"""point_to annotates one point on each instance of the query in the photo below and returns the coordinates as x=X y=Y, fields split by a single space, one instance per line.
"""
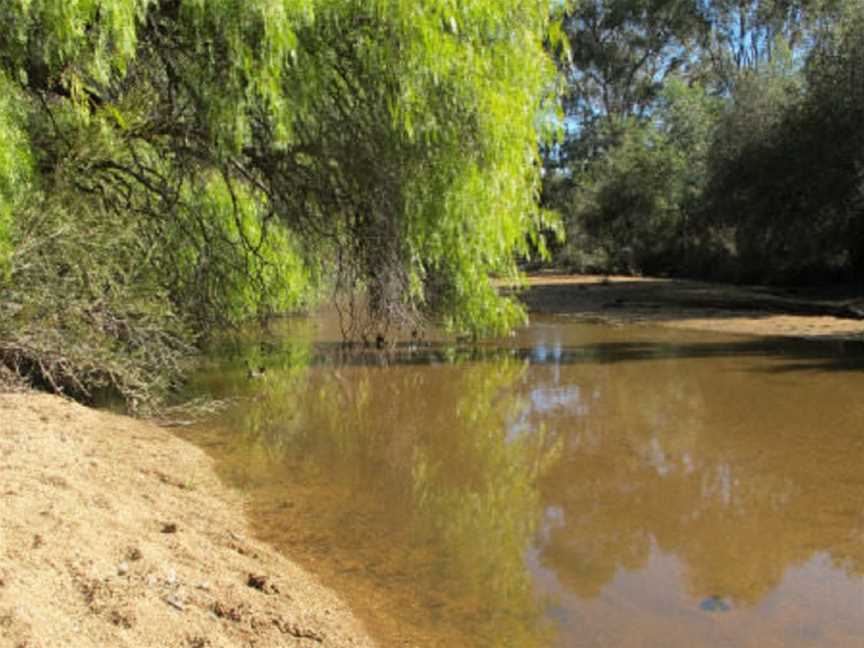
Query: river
x=573 y=485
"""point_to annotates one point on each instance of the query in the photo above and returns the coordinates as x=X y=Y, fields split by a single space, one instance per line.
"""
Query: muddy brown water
x=575 y=485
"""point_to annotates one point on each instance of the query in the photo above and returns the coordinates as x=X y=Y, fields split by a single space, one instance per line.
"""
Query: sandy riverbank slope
x=113 y=532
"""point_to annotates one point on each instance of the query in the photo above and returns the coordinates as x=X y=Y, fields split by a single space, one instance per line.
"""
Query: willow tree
x=213 y=158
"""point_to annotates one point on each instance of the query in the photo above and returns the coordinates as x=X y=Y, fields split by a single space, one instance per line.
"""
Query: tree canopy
x=167 y=166
x=712 y=139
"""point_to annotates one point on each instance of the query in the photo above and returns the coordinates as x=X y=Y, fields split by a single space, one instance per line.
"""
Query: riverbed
x=577 y=484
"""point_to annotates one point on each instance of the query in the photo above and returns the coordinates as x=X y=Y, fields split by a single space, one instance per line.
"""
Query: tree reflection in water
x=742 y=479
x=400 y=476
x=418 y=483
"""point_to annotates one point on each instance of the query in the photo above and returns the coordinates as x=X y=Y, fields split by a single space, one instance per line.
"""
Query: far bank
x=814 y=314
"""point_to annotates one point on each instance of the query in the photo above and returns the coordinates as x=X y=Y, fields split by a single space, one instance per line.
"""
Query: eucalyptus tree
x=615 y=177
x=791 y=186
x=701 y=140
x=745 y=36
x=621 y=53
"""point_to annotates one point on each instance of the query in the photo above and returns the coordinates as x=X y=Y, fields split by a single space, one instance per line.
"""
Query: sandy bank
x=698 y=306
x=113 y=532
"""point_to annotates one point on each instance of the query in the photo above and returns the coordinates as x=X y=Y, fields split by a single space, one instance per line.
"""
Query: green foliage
x=620 y=53
x=633 y=205
x=721 y=139
x=231 y=156
x=789 y=182
x=231 y=257
x=421 y=153
x=15 y=168
x=746 y=36
x=82 y=313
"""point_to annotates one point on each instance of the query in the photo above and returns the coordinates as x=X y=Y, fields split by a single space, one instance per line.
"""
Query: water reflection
x=577 y=485
x=398 y=471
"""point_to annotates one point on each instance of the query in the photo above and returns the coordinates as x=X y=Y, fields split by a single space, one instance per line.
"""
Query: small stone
x=169 y=527
x=175 y=602
x=171 y=578
x=203 y=585
x=257 y=582
x=123 y=568
x=714 y=604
